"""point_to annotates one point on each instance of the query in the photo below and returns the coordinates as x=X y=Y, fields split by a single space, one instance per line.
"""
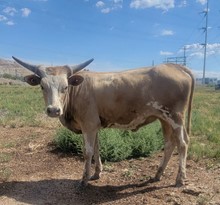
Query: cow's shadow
x=66 y=191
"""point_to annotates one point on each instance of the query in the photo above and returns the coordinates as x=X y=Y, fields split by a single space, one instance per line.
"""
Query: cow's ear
x=75 y=80
x=32 y=80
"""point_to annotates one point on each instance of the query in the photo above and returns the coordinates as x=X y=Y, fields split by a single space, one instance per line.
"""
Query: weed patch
x=5 y=173
x=5 y=157
x=115 y=145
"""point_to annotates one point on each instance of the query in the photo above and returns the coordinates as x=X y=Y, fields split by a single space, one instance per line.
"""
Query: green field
x=205 y=137
x=22 y=106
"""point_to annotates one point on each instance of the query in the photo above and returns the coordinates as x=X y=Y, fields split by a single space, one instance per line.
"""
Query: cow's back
x=123 y=97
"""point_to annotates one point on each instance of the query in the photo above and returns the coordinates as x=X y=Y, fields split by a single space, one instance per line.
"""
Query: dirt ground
x=32 y=172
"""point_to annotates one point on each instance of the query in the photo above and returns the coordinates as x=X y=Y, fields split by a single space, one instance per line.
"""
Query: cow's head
x=54 y=82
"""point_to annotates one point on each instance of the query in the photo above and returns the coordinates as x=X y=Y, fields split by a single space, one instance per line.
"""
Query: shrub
x=145 y=142
x=115 y=145
x=66 y=141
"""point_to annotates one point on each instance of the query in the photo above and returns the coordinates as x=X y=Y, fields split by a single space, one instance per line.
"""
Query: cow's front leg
x=98 y=163
x=89 y=142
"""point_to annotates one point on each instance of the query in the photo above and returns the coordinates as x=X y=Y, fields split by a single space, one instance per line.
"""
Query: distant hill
x=11 y=73
x=12 y=68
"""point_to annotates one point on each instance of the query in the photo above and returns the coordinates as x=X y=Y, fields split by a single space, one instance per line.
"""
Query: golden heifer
x=87 y=101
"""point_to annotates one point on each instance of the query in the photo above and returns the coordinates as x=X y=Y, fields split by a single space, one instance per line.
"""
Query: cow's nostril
x=48 y=110
x=58 y=111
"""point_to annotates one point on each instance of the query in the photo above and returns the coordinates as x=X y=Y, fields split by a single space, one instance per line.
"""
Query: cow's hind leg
x=98 y=163
x=182 y=145
x=168 y=148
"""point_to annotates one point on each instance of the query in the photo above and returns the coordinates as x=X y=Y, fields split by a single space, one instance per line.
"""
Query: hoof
x=158 y=175
x=152 y=180
x=180 y=183
x=156 y=179
x=95 y=177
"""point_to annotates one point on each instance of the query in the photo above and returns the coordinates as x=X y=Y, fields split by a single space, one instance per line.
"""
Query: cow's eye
x=42 y=88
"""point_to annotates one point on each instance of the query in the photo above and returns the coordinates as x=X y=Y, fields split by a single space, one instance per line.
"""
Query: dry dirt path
x=31 y=173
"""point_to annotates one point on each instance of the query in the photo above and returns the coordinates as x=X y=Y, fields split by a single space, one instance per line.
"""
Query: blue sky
x=118 y=34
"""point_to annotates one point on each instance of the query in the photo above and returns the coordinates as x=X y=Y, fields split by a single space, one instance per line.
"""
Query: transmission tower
x=206 y=12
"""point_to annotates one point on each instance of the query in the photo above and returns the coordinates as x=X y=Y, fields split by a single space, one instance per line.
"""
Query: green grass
x=24 y=106
x=205 y=137
x=20 y=106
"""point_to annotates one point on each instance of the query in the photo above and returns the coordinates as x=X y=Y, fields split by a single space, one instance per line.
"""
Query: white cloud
x=203 y=2
x=159 y=4
x=197 y=54
x=25 y=12
x=197 y=49
x=107 y=6
x=100 y=4
x=208 y=74
x=106 y=10
x=214 y=46
x=3 y=18
x=10 y=11
x=10 y=23
x=165 y=53
x=194 y=46
x=167 y=33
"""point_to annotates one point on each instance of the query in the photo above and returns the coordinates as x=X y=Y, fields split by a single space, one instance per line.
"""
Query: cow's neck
x=68 y=119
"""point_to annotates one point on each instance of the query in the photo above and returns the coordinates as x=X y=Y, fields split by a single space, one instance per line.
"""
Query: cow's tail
x=190 y=99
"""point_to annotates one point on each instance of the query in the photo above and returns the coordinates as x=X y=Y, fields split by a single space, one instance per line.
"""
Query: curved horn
x=80 y=66
x=33 y=68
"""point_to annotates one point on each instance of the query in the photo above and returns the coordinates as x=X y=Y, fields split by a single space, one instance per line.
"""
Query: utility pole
x=205 y=44
x=178 y=60
x=184 y=56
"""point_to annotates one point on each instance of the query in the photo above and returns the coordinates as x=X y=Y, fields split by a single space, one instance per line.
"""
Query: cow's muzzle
x=53 y=111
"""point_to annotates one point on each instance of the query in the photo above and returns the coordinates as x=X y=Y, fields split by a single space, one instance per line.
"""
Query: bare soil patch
x=31 y=172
